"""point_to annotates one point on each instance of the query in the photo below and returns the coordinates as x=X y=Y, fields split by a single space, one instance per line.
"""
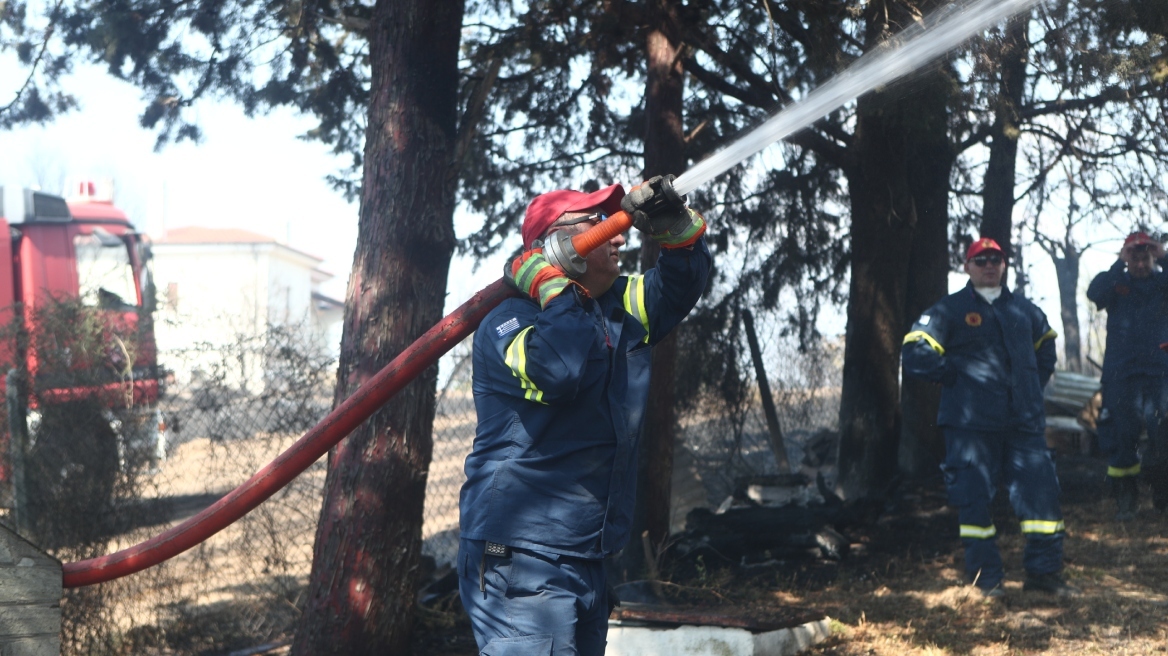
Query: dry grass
x=905 y=597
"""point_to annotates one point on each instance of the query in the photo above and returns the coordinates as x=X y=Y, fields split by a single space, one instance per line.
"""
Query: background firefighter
x=561 y=378
x=993 y=352
x=1135 y=371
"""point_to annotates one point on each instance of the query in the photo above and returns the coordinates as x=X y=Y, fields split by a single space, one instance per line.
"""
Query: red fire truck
x=76 y=298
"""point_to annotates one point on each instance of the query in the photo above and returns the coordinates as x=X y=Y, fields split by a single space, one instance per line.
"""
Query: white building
x=224 y=288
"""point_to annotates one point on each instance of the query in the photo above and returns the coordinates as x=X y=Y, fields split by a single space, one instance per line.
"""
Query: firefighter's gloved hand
x=683 y=233
x=531 y=274
x=659 y=212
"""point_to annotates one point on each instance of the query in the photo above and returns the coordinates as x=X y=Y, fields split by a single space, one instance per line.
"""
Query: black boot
x=1127 y=498
x=1051 y=583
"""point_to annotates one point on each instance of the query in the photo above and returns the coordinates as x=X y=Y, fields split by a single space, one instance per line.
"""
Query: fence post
x=17 y=447
x=774 y=430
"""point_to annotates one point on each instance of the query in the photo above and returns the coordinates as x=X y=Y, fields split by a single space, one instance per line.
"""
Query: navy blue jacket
x=1137 y=321
x=993 y=360
x=560 y=395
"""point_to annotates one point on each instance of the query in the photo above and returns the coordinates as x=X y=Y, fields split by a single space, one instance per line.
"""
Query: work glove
x=531 y=274
x=659 y=212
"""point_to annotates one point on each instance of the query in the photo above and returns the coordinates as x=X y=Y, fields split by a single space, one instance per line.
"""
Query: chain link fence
x=110 y=479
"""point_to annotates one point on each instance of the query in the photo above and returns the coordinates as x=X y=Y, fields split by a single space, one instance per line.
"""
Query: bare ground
x=900 y=591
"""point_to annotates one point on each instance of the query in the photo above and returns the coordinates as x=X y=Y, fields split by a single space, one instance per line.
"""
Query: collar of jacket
x=1006 y=294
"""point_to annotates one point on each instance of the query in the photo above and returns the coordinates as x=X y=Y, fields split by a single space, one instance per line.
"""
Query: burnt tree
x=368 y=541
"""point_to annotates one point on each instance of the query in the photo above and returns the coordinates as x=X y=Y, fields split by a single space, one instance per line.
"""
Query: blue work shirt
x=1137 y=321
x=560 y=395
x=993 y=360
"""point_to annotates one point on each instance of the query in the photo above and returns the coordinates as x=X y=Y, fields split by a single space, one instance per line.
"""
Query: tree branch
x=36 y=62
x=468 y=126
x=1109 y=95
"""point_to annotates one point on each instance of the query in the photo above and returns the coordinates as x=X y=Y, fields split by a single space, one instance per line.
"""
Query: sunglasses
x=983 y=260
x=595 y=219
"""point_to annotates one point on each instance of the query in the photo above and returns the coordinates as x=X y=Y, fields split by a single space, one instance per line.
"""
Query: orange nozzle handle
x=586 y=242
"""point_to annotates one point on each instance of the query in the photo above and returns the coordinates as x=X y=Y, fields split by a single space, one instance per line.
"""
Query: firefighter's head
x=575 y=212
x=985 y=263
x=1140 y=252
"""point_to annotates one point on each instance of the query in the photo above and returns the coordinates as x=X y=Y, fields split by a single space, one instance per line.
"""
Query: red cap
x=546 y=208
x=982 y=245
x=1140 y=239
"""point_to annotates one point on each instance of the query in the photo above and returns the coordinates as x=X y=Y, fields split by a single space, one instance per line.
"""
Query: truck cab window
x=105 y=275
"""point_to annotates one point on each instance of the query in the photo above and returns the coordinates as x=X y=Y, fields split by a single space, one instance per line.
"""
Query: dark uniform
x=560 y=393
x=993 y=361
x=1135 y=374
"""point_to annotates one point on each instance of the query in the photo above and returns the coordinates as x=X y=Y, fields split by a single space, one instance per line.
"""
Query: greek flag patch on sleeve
x=508 y=326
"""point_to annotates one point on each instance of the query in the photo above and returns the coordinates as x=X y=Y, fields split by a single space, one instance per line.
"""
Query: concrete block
x=687 y=640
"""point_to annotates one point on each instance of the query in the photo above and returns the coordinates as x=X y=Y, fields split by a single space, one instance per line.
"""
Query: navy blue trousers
x=1130 y=406
x=975 y=462
x=533 y=603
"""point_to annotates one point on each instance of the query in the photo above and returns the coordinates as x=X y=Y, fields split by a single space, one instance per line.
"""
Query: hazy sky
x=246 y=173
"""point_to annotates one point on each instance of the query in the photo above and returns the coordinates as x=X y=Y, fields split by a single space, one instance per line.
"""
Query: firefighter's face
x=604 y=261
x=986 y=269
x=1140 y=260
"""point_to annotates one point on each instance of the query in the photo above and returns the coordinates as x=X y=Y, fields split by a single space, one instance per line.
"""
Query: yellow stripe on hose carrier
x=981 y=532
x=918 y=335
x=1044 y=526
x=634 y=301
x=516 y=359
x=1121 y=472
x=1050 y=334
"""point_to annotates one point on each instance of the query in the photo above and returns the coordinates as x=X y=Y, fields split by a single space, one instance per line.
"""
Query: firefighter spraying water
x=914 y=48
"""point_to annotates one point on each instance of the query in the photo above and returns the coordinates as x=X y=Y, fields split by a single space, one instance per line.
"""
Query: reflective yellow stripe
x=918 y=335
x=1121 y=472
x=634 y=301
x=1050 y=334
x=983 y=532
x=1043 y=526
x=516 y=358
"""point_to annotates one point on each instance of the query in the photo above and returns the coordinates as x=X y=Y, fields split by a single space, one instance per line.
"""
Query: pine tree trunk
x=899 y=194
x=922 y=446
x=368 y=541
x=664 y=153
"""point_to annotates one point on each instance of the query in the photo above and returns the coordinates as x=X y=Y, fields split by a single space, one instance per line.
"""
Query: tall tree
x=383 y=83
x=664 y=154
x=1009 y=52
x=369 y=539
x=899 y=208
x=892 y=152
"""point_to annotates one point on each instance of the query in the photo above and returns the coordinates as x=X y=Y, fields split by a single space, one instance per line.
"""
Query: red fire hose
x=346 y=417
